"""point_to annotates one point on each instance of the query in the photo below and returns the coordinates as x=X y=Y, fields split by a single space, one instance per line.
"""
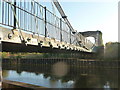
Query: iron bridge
x=31 y=27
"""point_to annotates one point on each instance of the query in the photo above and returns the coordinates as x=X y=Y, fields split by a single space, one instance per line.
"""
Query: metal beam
x=58 y=6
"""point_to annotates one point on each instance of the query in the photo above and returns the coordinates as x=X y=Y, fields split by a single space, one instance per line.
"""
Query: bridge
x=31 y=27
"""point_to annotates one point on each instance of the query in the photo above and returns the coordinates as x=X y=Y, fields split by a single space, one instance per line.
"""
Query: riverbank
x=7 y=84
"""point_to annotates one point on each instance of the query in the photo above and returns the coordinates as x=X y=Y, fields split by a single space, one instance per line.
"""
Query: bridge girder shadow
x=22 y=48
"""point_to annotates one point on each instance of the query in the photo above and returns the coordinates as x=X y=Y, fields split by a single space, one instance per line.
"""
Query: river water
x=63 y=75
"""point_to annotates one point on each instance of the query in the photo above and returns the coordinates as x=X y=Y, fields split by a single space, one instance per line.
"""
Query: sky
x=92 y=15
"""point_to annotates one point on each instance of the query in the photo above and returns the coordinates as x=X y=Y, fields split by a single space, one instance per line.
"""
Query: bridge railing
x=24 y=16
x=33 y=17
x=6 y=16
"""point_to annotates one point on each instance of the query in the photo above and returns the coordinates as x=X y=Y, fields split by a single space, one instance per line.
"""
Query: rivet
x=28 y=39
x=10 y=35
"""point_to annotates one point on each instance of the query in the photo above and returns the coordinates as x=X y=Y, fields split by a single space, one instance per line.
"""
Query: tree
x=112 y=50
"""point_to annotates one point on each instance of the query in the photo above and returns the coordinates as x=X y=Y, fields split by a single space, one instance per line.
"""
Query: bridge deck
x=11 y=41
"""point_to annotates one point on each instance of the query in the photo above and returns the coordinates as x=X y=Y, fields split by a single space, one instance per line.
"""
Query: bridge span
x=31 y=27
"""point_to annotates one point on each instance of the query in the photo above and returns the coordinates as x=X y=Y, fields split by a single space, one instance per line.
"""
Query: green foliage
x=4 y=55
x=112 y=50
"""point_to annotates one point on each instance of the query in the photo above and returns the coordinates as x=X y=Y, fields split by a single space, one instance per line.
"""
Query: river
x=61 y=74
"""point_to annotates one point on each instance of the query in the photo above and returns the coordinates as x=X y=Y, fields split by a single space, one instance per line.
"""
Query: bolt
x=10 y=35
x=28 y=39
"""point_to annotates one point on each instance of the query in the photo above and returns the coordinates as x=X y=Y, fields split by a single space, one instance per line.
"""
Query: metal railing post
x=70 y=36
x=60 y=29
x=15 y=14
x=45 y=23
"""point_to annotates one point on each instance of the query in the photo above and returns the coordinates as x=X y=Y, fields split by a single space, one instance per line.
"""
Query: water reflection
x=107 y=85
x=39 y=79
x=77 y=76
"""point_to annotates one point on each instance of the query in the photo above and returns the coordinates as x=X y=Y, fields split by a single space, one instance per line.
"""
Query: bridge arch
x=97 y=35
